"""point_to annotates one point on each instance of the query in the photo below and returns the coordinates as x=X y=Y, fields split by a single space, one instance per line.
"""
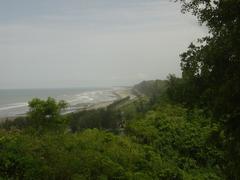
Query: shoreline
x=120 y=93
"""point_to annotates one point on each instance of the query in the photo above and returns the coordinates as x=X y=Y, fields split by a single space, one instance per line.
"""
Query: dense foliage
x=154 y=89
x=184 y=140
x=164 y=143
x=211 y=72
x=92 y=154
x=101 y=118
x=46 y=114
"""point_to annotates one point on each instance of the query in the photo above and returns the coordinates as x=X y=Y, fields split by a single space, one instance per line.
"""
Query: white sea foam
x=91 y=97
x=13 y=106
x=76 y=98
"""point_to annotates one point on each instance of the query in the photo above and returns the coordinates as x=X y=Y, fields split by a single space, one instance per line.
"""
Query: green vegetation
x=46 y=114
x=165 y=142
x=183 y=140
x=92 y=154
x=101 y=118
x=211 y=72
x=180 y=128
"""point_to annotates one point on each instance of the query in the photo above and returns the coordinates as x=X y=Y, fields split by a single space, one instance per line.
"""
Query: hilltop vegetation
x=140 y=139
x=179 y=128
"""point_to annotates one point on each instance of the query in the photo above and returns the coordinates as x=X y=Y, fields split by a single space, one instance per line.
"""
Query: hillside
x=131 y=139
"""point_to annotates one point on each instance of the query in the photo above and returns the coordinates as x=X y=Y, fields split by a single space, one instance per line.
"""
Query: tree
x=212 y=68
x=46 y=114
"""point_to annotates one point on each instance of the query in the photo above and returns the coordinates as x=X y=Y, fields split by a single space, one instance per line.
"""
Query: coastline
x=119 y=93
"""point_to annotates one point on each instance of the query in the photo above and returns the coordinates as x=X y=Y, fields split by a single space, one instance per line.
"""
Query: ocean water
x=14 y=102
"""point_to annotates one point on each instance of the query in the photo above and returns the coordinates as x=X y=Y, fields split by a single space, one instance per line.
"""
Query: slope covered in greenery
x=156 y=141
x=181 y=128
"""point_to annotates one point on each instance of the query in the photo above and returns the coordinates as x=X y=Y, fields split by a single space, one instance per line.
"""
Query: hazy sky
x=70 y=43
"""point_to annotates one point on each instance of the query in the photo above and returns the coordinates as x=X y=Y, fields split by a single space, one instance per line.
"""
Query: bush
x=91 y=154
x=179 y=138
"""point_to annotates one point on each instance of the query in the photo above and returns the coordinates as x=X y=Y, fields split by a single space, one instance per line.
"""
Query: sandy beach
x=118 y=93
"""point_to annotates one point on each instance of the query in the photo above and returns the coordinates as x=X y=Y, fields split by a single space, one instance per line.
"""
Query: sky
x=91 y=43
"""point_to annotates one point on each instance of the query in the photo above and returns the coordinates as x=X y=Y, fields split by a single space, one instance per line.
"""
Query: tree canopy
x=211 y=69
x=46 y=114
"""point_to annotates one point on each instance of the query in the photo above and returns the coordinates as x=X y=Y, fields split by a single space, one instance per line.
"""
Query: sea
x=14 y=102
